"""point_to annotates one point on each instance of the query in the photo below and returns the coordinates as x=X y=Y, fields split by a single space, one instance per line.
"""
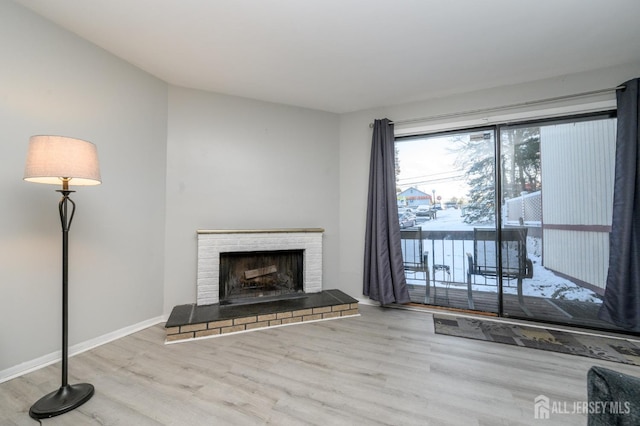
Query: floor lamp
x=62 y=161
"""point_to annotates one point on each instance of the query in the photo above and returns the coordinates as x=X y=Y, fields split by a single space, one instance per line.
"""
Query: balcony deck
x=568 y=312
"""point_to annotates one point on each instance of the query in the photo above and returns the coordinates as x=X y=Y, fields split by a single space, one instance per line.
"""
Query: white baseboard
x=367 y=301
x=45 y=360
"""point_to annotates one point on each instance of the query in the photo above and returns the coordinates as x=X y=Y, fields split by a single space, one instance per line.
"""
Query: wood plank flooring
x=386 y=367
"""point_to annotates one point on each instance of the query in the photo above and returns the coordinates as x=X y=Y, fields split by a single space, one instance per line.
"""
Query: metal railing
x=447 y=254
x=447 y=259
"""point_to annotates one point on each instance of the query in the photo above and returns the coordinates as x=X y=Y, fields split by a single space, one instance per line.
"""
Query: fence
x=523 y=210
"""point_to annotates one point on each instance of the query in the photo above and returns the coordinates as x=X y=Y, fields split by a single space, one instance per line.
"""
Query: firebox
x=248 y=276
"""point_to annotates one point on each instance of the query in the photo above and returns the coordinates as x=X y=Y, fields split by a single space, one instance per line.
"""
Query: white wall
x=52 y=82
x=355 y=142
x=236 y=163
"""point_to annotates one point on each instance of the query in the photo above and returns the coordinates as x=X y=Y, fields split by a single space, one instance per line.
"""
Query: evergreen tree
x=476 y=158
x=520 y=164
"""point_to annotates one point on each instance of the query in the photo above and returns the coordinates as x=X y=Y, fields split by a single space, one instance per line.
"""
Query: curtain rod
x=504 y=107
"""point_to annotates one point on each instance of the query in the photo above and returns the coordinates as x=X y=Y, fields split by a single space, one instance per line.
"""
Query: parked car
x=407 y=220
x=424 y=210
x=451 y=205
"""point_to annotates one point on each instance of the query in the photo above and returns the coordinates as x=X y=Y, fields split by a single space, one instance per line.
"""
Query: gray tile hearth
x=193 y=321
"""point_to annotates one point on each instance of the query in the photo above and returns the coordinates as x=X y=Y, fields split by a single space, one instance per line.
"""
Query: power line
x=430 y=175
x=439 y=180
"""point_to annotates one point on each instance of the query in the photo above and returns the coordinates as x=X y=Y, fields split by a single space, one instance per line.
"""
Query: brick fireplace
x=213 y=243
x=209 y=318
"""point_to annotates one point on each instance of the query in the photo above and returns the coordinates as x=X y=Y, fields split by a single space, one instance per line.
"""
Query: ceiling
x=348 y=55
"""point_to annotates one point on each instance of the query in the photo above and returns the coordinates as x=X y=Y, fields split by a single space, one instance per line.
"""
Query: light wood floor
x=386 y=367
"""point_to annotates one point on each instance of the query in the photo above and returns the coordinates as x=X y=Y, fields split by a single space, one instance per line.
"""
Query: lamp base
x=61 y=401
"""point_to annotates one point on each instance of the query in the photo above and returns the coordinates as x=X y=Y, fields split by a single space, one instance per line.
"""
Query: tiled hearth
x=191 y=321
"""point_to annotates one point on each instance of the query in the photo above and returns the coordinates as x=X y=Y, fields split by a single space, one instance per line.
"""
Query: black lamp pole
x=68 y=397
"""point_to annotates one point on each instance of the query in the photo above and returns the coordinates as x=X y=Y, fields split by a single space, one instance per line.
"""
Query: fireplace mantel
x=213 y=242
x=259 y=231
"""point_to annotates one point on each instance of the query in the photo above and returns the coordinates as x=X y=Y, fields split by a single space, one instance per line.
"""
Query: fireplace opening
x=260 y=276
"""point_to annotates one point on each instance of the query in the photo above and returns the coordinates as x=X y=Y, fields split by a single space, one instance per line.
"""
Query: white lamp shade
x=52 y=158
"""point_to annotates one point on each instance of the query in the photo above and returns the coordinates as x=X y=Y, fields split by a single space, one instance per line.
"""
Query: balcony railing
x=446 y=257
x=446 y=252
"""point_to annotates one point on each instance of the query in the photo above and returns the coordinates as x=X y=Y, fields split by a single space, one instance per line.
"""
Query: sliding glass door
x=547 y=187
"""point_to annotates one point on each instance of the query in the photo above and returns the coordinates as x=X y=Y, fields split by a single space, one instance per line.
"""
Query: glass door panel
x=557 y=188
x=446 y=189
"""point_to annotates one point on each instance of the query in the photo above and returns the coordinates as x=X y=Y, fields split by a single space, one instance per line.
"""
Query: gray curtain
x=384 y=279
x=621 y=304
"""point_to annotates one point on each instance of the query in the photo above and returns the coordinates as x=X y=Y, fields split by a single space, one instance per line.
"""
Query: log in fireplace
x=247 y=276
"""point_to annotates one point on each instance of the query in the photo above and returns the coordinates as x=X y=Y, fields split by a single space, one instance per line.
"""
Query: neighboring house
x=413 y=197
x=575 y=239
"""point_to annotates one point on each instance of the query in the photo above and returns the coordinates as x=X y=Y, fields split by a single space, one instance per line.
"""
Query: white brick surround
x=212 y=243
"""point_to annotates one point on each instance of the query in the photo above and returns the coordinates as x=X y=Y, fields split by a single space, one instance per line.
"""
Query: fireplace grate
x=256 y=275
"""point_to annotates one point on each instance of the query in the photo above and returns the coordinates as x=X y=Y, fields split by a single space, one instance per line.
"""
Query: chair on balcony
x=415 y=258
x=515 y=264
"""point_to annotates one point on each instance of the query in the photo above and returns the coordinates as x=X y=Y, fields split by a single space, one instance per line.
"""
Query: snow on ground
x=544 y=283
